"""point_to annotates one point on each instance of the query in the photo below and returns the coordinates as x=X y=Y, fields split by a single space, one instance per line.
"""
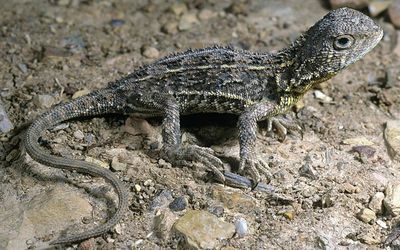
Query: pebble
x=78 y=134
x=376 y=202
x=308 y=171
x=321 y=96
x=74 y=44
x=80 y=93
x=392 y=199
x=178 y=204
x=366 y=151
x=170 y=28
x=187 y=21
x=163 y=222
x=357 y=141
x=150 y=52
x=206 y=14
x=13 y=155
x=381 y=223
x=89 y=138
x=394 y=13
x=376 y=7
x=60 y=127
x=233 y=199
x=241 y=227
x=216 y=210
x=117 y=22
x=138 y=188
x=209 y=230
x=355 y=4
x=178 y=8
x=392 y=138
x=366 y=215
x=117 y=166
x=161 y=200
x=44 y=101
x=23 y=68
x=5 y=123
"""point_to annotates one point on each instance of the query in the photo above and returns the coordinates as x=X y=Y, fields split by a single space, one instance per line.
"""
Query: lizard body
x=255 y=86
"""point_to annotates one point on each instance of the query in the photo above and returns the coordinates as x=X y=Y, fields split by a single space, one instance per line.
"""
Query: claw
x=283 y=126
x=254 y=168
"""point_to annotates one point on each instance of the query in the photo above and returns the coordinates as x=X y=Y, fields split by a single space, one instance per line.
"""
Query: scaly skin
x=255 y=86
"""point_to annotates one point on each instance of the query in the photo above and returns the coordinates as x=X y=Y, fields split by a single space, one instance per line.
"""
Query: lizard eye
x=343 y=42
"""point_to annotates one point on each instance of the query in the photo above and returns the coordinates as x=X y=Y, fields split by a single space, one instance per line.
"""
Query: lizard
x=255 y=86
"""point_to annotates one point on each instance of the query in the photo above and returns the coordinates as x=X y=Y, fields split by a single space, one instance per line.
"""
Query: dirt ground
x=52 y=50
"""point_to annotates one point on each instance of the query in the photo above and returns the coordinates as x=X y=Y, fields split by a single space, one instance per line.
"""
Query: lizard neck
x=298 y=71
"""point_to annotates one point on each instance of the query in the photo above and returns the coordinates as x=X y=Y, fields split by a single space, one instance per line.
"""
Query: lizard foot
x=282 y=125
x=185 y=155
x=255 y=167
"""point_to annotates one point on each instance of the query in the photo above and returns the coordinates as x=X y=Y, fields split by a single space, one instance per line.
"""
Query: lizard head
x=337 y=40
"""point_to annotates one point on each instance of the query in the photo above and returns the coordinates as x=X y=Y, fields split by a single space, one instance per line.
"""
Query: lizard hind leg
x=179 y=154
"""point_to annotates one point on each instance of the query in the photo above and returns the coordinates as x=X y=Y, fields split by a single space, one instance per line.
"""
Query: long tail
x=97 y=103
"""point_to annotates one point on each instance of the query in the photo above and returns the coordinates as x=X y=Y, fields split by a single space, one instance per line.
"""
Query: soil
x=52 y=49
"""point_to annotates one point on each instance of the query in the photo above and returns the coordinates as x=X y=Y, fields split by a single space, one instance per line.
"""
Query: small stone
x=392 y=199
x=163 y=164
x=237 y=8
x=117 y=22
x=348 y=188
x=5 y=123
x=89 y=138
x=206 y=14
x=13 y=155
x=202 y=230
x=44 y=101
x=178 y=204
x=241 y=227
x=118 y=229
x=357 y=141
x=117 y=166
x=88 y=244
x=394 y=13
x=170 y=28
x=321 y=96
x=161 y=200
x=97 y=162
x=370 y=240
x=216 y=210
x=178 y=8
x=63 y=2
x=376 y=7
x=163 y=222
x=23 y=68
x=308 y=171
x=148 y=182
x=363 y=150
x=381 y=223
x=233 y=199
x=187 y=20
x=80 y=93
x=79 y=135
x=366 y=215
x=355 y=4
x=376 y=202
x=138 y=188
x=62 y=126
x=392 y=138
x=150 y=52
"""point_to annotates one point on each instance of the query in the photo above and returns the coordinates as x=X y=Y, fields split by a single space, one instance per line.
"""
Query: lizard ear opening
x=343 y=42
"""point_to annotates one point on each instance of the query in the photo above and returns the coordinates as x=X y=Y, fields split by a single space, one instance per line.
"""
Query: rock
x=362 y=150
x=216 y=210
x=178 y=204
x=392 y=138
x=238 y=8
x=394 y=13
x=366 y=215
x=161 y=200
x=150 y=52
x=97 y=162
x=178 y=8
x=44 y=101
x=163 y=222
x=233 y=199
x=187 y=20
x=381 y=223
x=23 y=68
x=206 y=14
x=49 y=212
x=392 y=199
x=170 y=28
x=376 y=7
x=376 y=202
x=357 y=141
x=321 y=96
x=355 y=4
x=5 y=123
x=117 y=22
x=241 y=227
x=202 y=230
x=118 y=166
x=138 y=188
x=308 y=171
x=80 y=93
x=78 y=134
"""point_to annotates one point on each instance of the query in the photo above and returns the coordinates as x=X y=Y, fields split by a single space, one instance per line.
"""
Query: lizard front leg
x=247 y=139
x=178 y=154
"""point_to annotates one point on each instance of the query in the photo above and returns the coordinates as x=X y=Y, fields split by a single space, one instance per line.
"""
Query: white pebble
x=241 y=227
